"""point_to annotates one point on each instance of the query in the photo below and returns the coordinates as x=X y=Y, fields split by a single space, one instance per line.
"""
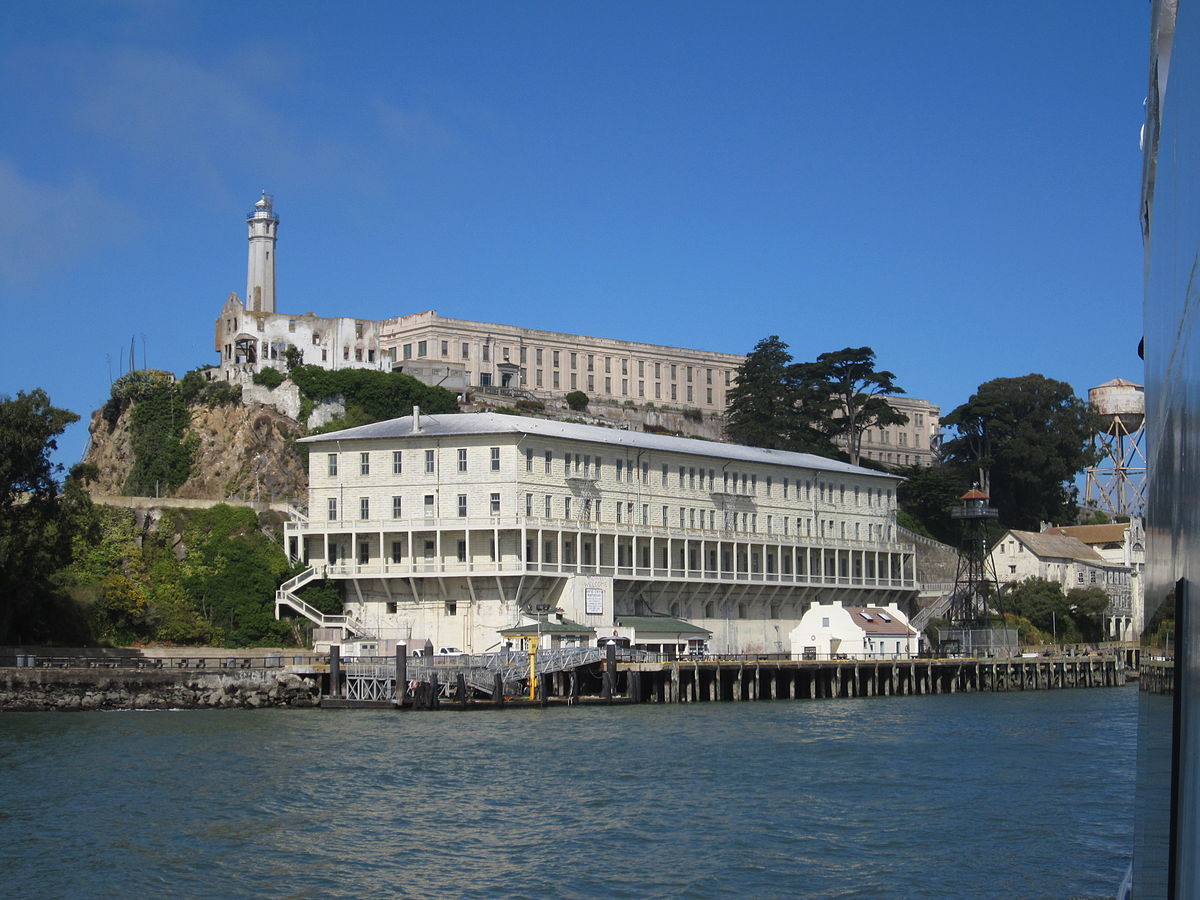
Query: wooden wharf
x=638 y=679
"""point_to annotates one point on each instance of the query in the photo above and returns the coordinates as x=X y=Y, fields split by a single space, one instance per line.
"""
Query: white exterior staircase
x=286 y=597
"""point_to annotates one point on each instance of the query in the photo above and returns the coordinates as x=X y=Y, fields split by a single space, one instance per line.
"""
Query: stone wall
x=40 y=690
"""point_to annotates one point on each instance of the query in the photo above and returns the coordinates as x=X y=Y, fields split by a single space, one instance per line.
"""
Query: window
x=485 y=352
x=573 y=360
x=462 y=551
x=397 y=463
x=495 y=504
x=364 y=553
x=529 y=504
x=466 y=350
x=408 y=351
x=422 y=349
x=528 y=459
x=445 y=349
x=397 y=508
x=547 y=505
x=429 y=506
x=566 y=507
x=332 y=508
x=462 y=506
x=364 y=507
x=332 y=463
x=495 y=459
x=429 y=466
x=364 y=464
x=397 y=551
x=548 y=456
x=462 y=460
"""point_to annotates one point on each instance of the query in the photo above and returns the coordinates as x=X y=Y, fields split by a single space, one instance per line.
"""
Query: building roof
x=878 y=624
x=566 y=626
x=1112 y=533
x=659 y=625
x=435 y=425
x=1063 y=546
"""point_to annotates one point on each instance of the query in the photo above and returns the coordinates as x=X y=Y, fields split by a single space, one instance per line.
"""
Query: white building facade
x=1060 y=556
x=833 y=631
x=452 y=528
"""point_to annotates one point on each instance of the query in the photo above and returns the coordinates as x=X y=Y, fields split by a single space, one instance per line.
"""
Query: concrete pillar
x=401 y=674
x=335 y=671
x=737 y=682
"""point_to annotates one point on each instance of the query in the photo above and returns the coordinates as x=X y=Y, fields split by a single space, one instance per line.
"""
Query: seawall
x=24 y=689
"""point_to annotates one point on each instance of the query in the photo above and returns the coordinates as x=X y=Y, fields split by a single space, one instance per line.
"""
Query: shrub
x=577 y=400
x=271 y=378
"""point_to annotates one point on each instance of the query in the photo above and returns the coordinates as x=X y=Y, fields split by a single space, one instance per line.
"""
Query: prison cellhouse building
x=456 y=529
x=484 y=357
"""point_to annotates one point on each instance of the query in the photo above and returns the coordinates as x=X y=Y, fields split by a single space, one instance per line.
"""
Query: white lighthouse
x=260 y=269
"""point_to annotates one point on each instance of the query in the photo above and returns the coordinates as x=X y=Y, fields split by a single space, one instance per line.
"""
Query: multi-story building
x=453 y=528
x=1059 y=556
x=459 y=355
x=549 y=363
x=915 y=443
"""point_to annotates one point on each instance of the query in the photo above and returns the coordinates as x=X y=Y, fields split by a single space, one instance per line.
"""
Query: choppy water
x=987 y=795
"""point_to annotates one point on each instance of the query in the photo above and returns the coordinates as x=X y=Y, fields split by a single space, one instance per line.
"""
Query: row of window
x=585 y=466
x=587 y=509
x=364 y=461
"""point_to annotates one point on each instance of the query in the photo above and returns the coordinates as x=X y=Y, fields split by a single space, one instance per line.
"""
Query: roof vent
x=416 y=426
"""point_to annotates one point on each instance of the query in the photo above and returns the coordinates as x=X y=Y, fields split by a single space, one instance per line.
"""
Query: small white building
x=832 y=631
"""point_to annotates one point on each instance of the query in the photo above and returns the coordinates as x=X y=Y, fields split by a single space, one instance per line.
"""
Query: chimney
x=416 y=426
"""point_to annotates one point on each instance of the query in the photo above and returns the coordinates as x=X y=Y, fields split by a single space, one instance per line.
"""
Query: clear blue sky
x=954 y=184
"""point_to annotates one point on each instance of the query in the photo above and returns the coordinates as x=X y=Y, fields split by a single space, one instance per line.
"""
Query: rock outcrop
x=243 y=450
x=36 y=690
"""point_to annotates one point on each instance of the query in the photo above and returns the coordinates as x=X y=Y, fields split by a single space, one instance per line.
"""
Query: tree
x=37 y=519
x=577 y=400
x=770 y=406
x=928 y=493
x=1027 y=437
x=856 y=391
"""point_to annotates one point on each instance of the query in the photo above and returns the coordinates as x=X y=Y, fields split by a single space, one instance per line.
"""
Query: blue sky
x=955 y=185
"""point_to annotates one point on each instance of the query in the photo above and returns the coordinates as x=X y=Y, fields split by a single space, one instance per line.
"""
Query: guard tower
x=260 y=269
x=975 y=578
x=1117 y=483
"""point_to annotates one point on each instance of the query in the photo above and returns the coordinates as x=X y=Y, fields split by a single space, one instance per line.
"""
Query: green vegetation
x=1026 y=438
x=1073 y=617
x=163 y=447
x=270 y=378
x=856 y=392
x=577 y=400
x=196 y=388
x=368 y=395
x=772 y=406
x=204 y=576
x=38 y=519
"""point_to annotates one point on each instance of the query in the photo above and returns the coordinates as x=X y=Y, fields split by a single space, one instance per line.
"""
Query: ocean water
x=983 y=795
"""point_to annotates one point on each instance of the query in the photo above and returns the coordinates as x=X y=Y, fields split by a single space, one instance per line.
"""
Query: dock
x=624 y=676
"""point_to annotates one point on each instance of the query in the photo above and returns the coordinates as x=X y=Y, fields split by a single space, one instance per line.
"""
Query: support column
x=401 y=674
x=335 y=671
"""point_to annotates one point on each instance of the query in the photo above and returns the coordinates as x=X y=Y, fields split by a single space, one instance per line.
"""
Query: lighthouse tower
x=260 y=270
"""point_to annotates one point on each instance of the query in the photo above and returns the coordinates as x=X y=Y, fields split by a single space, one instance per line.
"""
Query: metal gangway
x=374 y=678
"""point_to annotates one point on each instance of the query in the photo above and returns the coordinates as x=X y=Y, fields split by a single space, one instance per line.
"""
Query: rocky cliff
x=244 y=450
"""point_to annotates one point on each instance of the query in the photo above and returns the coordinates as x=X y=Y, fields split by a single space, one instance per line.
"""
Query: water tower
x=1116 y=483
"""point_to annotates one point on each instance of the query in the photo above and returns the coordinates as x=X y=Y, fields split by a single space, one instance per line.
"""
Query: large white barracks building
x=457 y=529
